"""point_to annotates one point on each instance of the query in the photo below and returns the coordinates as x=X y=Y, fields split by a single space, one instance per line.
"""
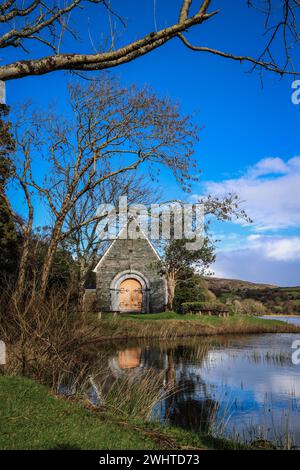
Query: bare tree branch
x=99 y=61
x=270 y=66
x=36 y=20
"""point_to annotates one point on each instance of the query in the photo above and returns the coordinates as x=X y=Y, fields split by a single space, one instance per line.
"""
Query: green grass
x=31 y=418
x=291 y=291
x=205 y=319
x=153 y=316
x=172 y=325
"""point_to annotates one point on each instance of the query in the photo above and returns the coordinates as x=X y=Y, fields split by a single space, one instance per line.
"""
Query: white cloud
x=284 y=250
x=280 y=249
x=270 y=191
x=268 y=166
x=263 y=258
x=294 y=163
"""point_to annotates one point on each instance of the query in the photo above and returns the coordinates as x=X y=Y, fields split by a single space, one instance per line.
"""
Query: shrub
x=278 y=309
x=246 y=307
x=192 y=290
x=215 y=306
x=44 y=335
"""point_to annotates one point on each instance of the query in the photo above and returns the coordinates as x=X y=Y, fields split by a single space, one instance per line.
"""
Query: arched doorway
x=130 y=296
x=142 y=287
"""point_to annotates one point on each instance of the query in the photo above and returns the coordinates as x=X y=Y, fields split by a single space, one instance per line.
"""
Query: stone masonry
x=130 y=258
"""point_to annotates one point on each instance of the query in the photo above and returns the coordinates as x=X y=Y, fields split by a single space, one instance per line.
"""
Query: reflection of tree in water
x=190 y=407
x=154 y=358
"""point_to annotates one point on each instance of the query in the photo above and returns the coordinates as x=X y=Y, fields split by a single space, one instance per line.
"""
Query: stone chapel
x=128 y=278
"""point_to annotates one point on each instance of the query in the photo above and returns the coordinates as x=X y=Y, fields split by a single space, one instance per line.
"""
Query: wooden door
x=131 y=296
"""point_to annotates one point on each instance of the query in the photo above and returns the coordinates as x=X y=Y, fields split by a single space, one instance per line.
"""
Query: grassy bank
x=172 y=325
x=32 y=418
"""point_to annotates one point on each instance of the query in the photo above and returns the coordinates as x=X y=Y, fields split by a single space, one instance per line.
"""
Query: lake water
x=244 y=386
x=285 y=318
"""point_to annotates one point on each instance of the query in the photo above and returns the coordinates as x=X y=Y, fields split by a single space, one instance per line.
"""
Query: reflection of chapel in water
x=129 y=358
x=190 y=406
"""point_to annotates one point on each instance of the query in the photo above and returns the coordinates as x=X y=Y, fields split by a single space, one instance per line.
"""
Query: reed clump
x=43 y=336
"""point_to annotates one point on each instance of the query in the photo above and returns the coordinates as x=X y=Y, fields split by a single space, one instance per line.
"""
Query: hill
x=234 y=284
x=285 y=300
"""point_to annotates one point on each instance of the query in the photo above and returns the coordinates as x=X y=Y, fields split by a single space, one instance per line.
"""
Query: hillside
x=276 y=299
x=234 y=284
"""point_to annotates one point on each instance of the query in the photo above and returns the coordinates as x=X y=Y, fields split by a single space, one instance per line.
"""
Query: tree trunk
x=22 y=268
x=49 y=257
x=171 y=285
x=81 y=287
x=56 y=235
x=27 y=232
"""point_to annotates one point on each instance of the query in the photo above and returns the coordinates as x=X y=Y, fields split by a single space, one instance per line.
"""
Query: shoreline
x=285 y=315
x=71 y=424
x=75 y=423
x=168 y=326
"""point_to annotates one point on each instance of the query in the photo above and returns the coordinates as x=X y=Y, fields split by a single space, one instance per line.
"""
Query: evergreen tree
x=179 y=265
x=191 y=287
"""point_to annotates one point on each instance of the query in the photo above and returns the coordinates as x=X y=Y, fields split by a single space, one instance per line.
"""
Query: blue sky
x=250 y=133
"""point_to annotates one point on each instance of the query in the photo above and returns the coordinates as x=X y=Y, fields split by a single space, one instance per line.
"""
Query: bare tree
x=46 y=22
x=111 y=132
x=82 y=238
